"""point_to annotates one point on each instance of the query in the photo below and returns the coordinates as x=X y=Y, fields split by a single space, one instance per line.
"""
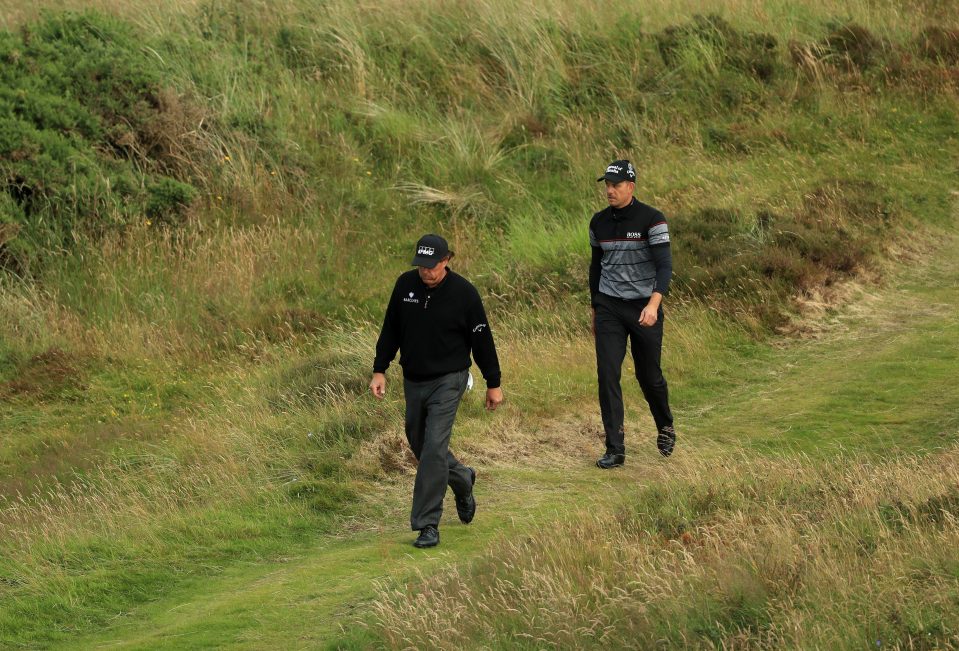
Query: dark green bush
x=87 y=132
x=12 y=248
x=317 y=381
x=168 y=199
x=322 y=495
x=855 y=45
x=315 y=52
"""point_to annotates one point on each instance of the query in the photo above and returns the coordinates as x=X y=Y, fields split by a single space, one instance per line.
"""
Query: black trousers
x=430 y=411
x=616 y=321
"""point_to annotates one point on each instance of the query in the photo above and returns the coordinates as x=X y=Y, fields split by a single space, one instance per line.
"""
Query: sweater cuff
x=493 y=382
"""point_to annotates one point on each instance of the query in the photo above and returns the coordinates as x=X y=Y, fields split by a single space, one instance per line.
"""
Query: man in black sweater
x=435 y=318
x=628 y=276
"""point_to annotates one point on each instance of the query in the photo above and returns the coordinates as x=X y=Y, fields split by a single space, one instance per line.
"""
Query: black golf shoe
x=429 y=537
x=610 y=460
x=466 y=506
x=666 y=440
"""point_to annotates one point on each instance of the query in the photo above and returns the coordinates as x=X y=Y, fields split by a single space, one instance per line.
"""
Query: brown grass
x=727 y=551
x=45 y=374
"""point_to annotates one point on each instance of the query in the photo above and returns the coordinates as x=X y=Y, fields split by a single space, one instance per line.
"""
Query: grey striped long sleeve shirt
x=631 y=254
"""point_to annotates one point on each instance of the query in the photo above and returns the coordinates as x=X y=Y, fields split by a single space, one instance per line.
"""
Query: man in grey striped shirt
x=628 y=277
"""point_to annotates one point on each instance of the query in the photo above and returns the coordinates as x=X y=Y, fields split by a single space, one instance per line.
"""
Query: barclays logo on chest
x=410 y=299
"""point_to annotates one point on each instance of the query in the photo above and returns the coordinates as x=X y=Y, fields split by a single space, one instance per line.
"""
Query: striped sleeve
x=658 y=233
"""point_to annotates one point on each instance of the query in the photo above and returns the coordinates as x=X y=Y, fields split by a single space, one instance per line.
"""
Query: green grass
x=186 y=402
x=94 y=580
x=325 y=592
x=890 y=378
x=255 y=585
x=305 y=597
x=812 y=503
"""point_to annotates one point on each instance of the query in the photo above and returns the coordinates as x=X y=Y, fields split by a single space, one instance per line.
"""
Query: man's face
x=619 y=194
x=432 y=277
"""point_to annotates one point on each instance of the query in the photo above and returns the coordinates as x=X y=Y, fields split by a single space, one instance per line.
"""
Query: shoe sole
x=426 y=546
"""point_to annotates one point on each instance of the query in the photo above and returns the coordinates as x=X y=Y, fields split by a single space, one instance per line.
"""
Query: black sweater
x=435 y=330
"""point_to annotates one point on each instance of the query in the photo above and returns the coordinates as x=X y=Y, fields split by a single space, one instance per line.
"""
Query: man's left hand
x=494 y=398
x=650 y=313
x=648 y=316
x=378 y=385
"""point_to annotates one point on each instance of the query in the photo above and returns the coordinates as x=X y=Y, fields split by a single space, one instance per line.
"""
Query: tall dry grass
x=154 y=294
x=269 y=300
x=717 y=551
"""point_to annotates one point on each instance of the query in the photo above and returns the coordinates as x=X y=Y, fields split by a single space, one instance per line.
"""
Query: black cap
x=619 y=171
x=430 y=250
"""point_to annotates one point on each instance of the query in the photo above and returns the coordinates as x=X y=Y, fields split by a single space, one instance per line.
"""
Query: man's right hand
x=494 y=398
x=378 y=385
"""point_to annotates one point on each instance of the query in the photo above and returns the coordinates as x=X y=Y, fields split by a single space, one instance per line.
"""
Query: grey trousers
x=430 y=411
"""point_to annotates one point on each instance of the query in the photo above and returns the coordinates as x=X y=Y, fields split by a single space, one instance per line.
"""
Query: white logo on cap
x=425 y=250
x=618 y=169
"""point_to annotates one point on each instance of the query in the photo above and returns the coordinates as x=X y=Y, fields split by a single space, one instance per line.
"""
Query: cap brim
x=613 y=178
x=422 y=261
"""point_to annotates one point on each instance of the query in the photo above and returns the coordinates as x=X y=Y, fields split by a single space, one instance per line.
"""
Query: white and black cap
x=619 y=171
x=430 y=250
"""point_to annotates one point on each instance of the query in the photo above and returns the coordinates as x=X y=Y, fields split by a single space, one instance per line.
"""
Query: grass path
x=303 y=601
x=880 y=380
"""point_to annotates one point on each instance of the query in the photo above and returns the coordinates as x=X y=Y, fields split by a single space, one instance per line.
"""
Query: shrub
x=88 y=131
x=12 y=255
x=322 y=495
x=750 y=264
x=168 y=200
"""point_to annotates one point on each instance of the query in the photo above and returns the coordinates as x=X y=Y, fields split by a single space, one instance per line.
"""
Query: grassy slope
x=191 y=369
x=826 y=396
